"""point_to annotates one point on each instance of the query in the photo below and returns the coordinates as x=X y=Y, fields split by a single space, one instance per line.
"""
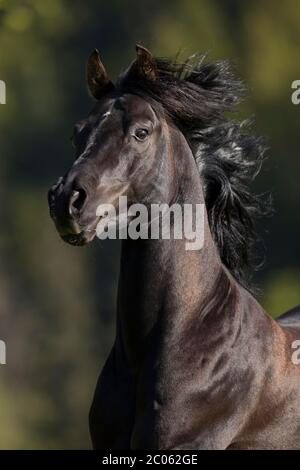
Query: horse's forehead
x=131 y=101
x=134 y=106
x=127 y=105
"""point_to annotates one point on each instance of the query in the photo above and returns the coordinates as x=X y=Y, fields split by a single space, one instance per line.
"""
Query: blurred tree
x=47 y=311
x=281 y=291
x=57 y=302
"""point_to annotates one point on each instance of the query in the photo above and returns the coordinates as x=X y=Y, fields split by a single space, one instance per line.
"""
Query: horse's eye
x=141 y=134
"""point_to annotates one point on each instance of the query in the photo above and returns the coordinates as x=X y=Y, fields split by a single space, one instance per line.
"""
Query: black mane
x=197 y=95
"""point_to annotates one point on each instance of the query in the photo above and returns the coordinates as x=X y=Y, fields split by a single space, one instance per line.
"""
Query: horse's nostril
x=77 y=201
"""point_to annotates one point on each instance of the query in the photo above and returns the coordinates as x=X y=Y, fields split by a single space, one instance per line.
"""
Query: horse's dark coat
x=196 y=363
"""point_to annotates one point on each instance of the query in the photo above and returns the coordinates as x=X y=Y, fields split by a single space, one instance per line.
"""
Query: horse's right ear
x=97 y=79
x=145 y=63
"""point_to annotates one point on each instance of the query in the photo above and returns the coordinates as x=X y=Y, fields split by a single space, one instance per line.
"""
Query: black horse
x=196 y=363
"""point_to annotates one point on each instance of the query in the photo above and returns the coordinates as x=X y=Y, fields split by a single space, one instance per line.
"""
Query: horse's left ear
x=145 y=63
x=96 y=75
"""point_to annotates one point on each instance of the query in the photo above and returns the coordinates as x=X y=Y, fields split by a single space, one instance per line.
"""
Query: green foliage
x=57 y=302
x=281 y=291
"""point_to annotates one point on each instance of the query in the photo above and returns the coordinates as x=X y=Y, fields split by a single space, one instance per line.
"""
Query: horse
x=196 y=362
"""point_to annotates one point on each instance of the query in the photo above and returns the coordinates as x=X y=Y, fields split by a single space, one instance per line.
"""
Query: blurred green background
x=57 y=302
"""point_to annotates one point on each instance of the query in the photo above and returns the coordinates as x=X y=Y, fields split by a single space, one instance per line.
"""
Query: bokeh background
x=57 y=302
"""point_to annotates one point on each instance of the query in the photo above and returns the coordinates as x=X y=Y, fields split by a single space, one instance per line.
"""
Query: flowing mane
x=197 y=95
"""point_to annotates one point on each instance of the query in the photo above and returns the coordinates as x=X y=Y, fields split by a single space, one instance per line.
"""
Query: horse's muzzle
x=65 y=207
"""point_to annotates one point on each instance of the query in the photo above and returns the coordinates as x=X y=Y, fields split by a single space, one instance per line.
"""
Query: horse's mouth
x=82 y=238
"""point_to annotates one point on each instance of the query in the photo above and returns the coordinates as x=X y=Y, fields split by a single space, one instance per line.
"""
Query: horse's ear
x=146 y=63
x=96 y=75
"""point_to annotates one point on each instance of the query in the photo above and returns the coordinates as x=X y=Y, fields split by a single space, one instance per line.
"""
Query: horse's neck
x=161 y=283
